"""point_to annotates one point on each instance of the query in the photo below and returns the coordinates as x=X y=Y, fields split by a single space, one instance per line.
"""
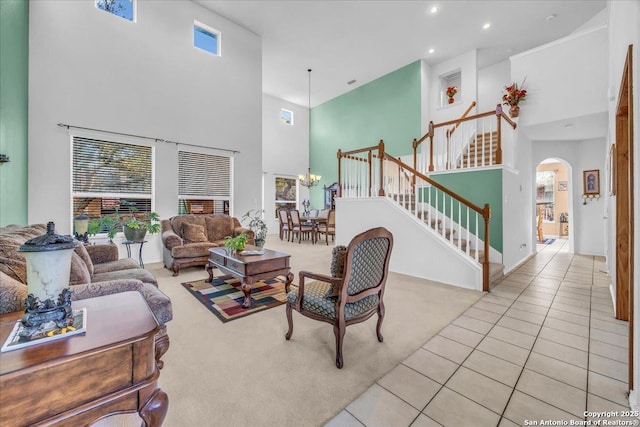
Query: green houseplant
x=255 y=222
x=134 y=226
x=236 y=243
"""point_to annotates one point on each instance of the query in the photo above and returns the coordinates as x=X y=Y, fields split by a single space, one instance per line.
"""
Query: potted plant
x=512 y=97
x=136 y=228
x=236 y=243
x=450 y=92
x=107 y=223
x=257 y=225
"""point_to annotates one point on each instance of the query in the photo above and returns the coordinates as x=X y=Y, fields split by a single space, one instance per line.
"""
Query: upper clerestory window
x=122 y=8
x=206 y=38
x=286 y=116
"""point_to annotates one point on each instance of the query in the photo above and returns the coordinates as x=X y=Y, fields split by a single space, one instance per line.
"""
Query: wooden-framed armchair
x=354 y=295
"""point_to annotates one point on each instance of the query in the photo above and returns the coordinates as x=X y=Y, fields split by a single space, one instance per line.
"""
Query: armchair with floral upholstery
x=354 y=291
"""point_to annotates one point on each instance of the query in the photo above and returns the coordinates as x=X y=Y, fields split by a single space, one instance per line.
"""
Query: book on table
x=15 y=341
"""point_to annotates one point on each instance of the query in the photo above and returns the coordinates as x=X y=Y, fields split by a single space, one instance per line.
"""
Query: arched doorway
x=553 y=195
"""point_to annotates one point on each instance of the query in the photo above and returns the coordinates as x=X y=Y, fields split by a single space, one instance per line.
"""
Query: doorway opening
x=553 y=201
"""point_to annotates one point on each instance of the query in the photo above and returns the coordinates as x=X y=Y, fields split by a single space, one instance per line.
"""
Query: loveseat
x=95 y=271
x=186 y=239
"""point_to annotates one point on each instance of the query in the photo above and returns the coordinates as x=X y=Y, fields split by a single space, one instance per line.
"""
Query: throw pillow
x=84 y=255
x=79 y=272
x=193 y=233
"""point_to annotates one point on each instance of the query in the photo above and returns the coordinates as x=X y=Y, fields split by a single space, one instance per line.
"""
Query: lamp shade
x=48 y=263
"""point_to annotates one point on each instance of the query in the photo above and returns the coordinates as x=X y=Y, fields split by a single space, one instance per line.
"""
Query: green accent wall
x=14 y=95
x=387 y=108
x=479 y=187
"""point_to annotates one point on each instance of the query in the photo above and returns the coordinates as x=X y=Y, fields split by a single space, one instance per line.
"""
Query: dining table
x=314 y=221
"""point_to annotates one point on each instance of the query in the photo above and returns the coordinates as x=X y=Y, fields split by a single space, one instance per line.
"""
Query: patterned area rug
x=224 y=296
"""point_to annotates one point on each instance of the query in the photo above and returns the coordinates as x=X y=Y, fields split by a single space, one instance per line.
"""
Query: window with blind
x=111 y=177
x=204 y=183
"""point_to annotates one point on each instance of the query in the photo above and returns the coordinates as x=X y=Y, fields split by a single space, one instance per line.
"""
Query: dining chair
x=283 y=219
x=298 y=227
x=313 y=213
x=354 y=295
x=329 y=227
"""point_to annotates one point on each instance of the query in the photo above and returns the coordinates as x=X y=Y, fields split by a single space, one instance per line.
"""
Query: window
x=206 y=38
x=286 y=116
x=122 y=8
x=111 y=177
x=204 y=183
x=286 y=193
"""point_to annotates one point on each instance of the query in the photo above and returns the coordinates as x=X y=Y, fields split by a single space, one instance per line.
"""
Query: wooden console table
x=78 y=380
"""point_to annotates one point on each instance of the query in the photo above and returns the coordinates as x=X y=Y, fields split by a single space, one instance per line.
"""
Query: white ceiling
x=364 y=40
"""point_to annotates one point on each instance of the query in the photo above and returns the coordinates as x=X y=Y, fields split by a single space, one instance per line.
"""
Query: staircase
x=455 y=232
x=496 y=270
x=482 y=151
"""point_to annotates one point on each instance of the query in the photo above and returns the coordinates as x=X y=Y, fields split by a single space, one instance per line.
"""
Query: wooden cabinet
x=330 y=194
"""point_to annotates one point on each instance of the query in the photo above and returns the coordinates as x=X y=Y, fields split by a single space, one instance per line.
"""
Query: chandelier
x=309 y=180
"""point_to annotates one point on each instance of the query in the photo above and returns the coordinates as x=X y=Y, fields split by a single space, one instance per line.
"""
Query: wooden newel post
x=486 y=214
x=431 y=146
x=381 y=157
x=499 y=131
x=339 y=173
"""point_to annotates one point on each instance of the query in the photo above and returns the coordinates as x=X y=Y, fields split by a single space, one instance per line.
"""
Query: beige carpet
x=244 y=373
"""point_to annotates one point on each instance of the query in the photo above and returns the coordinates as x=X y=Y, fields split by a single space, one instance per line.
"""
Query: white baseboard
x=613 y=299
x=634 y=405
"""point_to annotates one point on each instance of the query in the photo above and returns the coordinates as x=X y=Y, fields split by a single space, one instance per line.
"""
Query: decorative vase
x=514 y=110
x=260 y=242
x=134 y=234
x=451 y=100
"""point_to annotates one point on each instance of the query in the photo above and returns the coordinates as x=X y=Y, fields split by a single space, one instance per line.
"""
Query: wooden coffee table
x=250 y=268
x=77 y=380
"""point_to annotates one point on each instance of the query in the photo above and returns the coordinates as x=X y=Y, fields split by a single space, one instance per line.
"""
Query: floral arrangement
x=306 y=203
x=514 y=94
x=451 y=91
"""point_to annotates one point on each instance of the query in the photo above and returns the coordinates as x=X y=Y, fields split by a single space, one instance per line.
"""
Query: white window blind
x=204 y=182
x=110 y=177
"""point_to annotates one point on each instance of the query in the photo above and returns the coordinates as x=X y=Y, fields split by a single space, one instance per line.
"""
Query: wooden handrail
x=467 y=111
x=464 y=119
x=445 y=190
x=360 y=150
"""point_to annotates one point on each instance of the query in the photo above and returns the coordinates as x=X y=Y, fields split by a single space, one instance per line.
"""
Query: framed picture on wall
x=563 y=185
x=591 y=181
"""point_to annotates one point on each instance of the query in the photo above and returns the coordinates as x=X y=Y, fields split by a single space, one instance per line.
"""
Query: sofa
x=95 y=271
x=186 y=239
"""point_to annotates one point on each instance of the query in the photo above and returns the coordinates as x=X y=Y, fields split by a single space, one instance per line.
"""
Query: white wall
x=416 y=251
x=565 y=78
x=516 y=228
x=491 y=83
x=467 y=63
x=92 y=69
x=586 y=222
x=285 y=151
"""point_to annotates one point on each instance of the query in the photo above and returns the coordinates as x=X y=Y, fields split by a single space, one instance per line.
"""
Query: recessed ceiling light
x=551 y=17
x=433 y=9
x=432 y=50
x=486 y=26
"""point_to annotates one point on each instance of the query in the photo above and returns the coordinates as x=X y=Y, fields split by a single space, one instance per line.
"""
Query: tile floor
x=543 y=345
